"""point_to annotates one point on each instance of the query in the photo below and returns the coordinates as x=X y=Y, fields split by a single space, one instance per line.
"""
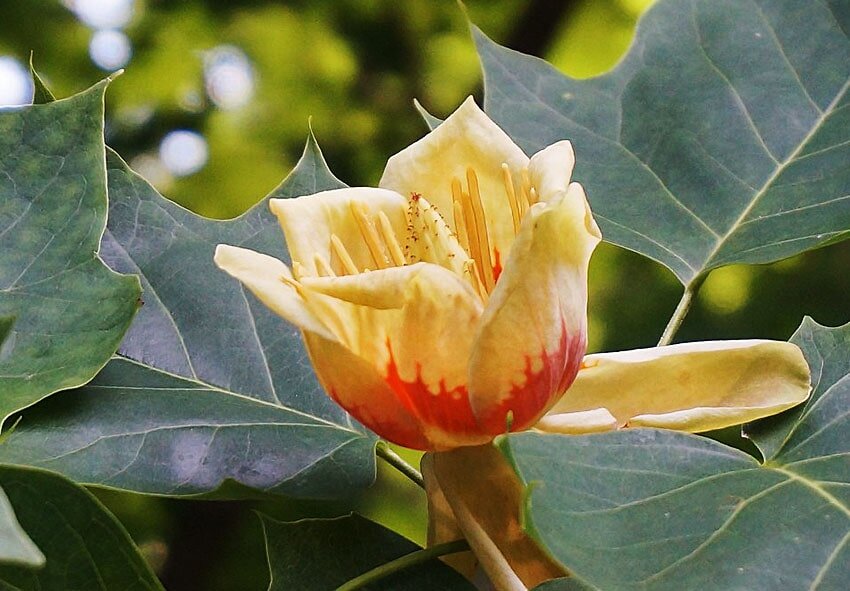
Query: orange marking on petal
x=448 y=410
x=531 y=399
x=497 y=265
x=385 y=425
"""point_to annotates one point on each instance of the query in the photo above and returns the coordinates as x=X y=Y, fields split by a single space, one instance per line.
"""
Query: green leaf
x=71 y=310
x=16 y=547
x=431 y=121
x=140 y=429
x=722 y=137
x=322 y=554
x=41 y=94
x=6 y=323
x=85 y=546
x=212 y=386
x=654 y=510
x=826 y=353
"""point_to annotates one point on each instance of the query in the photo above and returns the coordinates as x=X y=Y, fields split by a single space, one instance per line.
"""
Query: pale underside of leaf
x=722 y=137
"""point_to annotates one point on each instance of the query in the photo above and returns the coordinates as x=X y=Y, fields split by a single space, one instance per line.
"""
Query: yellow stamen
x=509 y=190
x=394 y=248
x=525 y=193
x=469 y=267
x=323 y=268
x=297 y=270
x=342 y=254
x=370 y=234
x=468 y=220
x=293 y=283
x=532 y=196
x=481 y=225
x=460 y=225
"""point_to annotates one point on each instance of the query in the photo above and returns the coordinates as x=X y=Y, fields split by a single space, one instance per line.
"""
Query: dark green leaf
x=71 y=310
x=6 y=323
x=565 y=584
x=826 y=352
x=431 y=121
x=141 y=429
x=86 y=547
x=322 y=554
x=41 y=94
x=16 y=547
x=655 y=510
x=220 y=388
x=723 y=136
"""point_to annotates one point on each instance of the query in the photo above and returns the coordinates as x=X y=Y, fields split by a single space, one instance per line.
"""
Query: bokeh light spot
x=726 y=290
x=103 y=14
x=183 y=152
x=15 y=83
x=229 y=77
x=110 y=50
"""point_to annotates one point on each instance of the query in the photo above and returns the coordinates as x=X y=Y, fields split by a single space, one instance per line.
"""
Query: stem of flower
x=406 y=561
x=383 y=451
x=680 y=312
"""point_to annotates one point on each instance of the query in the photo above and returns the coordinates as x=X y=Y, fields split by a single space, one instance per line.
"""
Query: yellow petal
x=310 y=222
x=691 y=386
x=550 y=169
x=271 y=281
x=362 y=391
x=533 y=332
x=466 y=139
x=485 y=496
x=415 y=326
x=578 y=423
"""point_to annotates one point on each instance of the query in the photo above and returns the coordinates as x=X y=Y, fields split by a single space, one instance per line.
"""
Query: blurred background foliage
x=213 y=109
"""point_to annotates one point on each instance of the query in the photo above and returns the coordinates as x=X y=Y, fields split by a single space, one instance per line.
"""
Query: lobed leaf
x=70 y=310
x=84 y=545
x=652 y=510
x=16 y=547
x=722 y=137
x=322 y=554
x=210 y=386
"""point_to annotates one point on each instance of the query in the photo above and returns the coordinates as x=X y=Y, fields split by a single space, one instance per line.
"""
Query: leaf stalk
x=680 y=312
x=403 y=562
x=383 y=451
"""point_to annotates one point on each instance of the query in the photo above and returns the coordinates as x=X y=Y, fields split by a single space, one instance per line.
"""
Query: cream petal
x=364 y=393
x=550 y=169
x=309 y=223
x=466 y=139
x=578 y=423
x=271 y=281
x=532 y=334
x=415 y=326
x=691 y=386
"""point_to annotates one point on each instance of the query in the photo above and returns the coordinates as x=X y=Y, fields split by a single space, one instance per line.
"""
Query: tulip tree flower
x=449 y=306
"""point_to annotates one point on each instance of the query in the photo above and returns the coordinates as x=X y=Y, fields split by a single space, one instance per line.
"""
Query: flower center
x=466 y=248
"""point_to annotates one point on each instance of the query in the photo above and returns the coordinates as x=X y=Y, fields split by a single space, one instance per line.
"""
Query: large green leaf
x=16 y=547
x=722 y=137
x=71 y=310
x=211 y=385
x=322 y=554
x=654 y=510
x=6 y=323
x=85 y=546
